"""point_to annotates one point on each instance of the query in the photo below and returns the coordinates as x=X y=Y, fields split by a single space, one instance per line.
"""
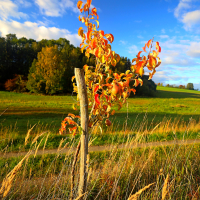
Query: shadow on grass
x=170 y=94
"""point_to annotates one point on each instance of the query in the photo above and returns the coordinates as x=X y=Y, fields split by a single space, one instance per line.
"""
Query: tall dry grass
x=152 y=173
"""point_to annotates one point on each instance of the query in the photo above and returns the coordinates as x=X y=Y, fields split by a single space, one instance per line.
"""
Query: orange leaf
x=86 y=7
x=136 y=83
x=83 y=19
x=116 y=75
x=71 y=115
x=119 y=105
x=101 y=33
x=94 y=43
x=133 y=90
x=80 y=31
x=94 y=11
x=73 y=77
x=97 y=98
x=138 y=55
x=134 y=59
x=113 y=112
x=96 y=52
x=89 y=2
x=144 y=48
x=89 y=34
x=148 y=43
x=110 y=37
x=79 y=4
x=113 y=62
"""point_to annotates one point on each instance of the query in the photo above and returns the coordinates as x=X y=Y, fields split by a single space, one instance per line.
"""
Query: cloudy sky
x=175 y=24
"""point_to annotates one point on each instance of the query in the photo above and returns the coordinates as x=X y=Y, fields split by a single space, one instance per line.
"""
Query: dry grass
x=114 y=175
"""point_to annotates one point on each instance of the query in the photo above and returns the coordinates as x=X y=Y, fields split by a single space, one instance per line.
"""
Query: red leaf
x=94 y=11
x=97 y=98
x=89 y=35
x=101 y=33
x=96 y=88
x=158 y=47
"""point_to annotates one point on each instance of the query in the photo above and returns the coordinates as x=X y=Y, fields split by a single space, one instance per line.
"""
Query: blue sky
x=175 y=24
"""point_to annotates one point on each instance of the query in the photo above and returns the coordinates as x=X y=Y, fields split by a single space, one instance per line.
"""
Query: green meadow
x=19 y=111
x=172 y=114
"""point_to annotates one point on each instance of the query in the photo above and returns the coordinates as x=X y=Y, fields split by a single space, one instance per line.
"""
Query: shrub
x=17 y=84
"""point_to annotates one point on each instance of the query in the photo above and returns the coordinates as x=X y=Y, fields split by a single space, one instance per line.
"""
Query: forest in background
x=46 y=66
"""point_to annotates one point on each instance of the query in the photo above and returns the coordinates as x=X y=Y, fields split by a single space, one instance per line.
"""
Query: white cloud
x=163 y=36
x=182 y=6
x=35 y=31
x=24 y=3
x=163 y=31
x=9 y=9
x=191 y=18
x=55 y=8
x=194 y=50
x=123 y=42
x=133 y=50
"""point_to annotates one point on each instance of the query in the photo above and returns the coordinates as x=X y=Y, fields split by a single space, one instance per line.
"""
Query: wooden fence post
x=82 y=94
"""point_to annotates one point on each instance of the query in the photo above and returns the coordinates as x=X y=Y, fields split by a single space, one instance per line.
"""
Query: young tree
x=102 y=88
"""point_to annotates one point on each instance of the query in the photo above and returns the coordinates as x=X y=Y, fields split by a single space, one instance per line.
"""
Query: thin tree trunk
x=82 y=93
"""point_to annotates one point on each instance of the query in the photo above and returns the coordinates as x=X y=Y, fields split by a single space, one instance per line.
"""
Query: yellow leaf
x=73 y=77
x=97 y=23
x=74 y=107
x=108 y=108
x=80 y=31
x=141 y=71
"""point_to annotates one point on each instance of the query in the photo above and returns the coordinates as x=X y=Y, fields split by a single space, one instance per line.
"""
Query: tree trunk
x=82 y=94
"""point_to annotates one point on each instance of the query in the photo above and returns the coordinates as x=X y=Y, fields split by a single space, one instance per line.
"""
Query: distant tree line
x=189 y=86
x=47 y=66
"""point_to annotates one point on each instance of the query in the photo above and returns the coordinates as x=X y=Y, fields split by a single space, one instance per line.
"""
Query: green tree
x=46 y=73
x=190 y=86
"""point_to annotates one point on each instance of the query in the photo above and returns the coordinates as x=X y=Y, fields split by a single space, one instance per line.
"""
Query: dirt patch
x=104 y=148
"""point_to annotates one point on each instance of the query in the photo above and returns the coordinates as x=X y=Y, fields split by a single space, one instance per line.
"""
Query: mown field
x=172 y=170
x=171 y=112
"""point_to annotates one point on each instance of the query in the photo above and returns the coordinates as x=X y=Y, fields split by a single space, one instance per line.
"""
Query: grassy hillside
x=19 y=112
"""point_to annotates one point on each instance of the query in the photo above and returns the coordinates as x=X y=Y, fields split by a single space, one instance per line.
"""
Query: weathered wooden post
x=82 y=95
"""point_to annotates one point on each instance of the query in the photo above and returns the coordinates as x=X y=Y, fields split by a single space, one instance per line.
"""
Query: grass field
x=172 y=170
x=22 y=111
x=176 y=107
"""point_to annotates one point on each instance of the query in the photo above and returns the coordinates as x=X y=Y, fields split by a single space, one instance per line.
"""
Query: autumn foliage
x=106 y=89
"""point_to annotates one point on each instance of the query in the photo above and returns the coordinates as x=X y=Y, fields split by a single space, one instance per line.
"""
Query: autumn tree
x=98 y=88
x=46 y=73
